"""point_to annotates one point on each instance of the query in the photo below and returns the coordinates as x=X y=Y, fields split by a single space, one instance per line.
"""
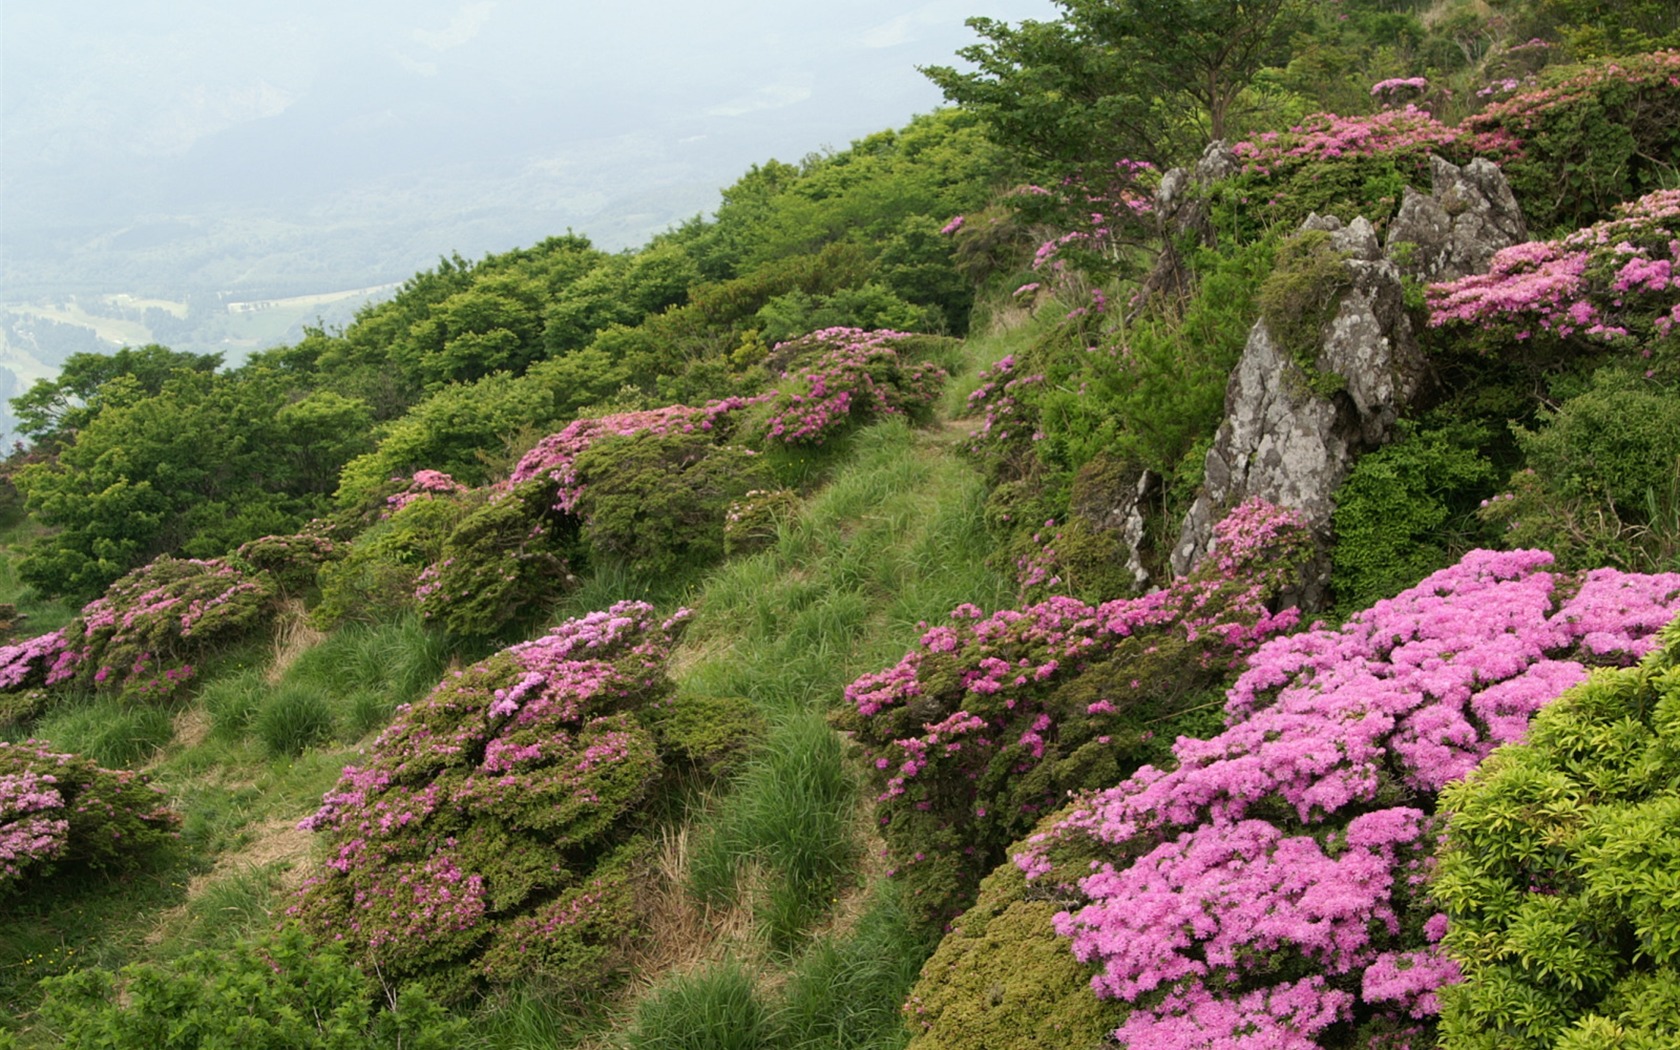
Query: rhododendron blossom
x=1301 y=834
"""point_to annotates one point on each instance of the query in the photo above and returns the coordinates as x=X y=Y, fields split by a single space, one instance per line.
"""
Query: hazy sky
x=134 y=125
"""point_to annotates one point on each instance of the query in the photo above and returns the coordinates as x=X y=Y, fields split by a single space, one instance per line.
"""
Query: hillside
x=1047 y=575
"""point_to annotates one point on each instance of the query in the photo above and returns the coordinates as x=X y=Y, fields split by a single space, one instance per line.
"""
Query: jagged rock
x=1182 y=215
x=1285 y=443
x=1468 y=216
x=1121 y=510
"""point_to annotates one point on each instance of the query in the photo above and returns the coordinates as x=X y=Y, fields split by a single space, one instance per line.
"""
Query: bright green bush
x=1560 y=873
x=1602 y=481
x=280 y=992
x=1399 y=509
x=375 y=578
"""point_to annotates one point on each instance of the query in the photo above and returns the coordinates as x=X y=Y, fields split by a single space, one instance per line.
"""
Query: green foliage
x=207 y=463
x=711 y=734
x=1559 y=873
x=1301 y=296
x=1602 y=481
x=714 y=1008
x=375 y=579
x=502 y=565
x=281 y=991
x=1147 y=79
x=870 y=306
x=56 y=408
x=1002 y=980
x=1401 y=514
x=754 y=520
x=658 y=502
x=1590 y=137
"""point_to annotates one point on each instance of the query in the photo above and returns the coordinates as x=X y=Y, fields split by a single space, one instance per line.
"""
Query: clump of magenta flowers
x=1270 y=886
x=491 y=832
x=985 y=726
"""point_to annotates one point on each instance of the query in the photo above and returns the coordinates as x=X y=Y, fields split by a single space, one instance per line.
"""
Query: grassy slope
x=774 y=874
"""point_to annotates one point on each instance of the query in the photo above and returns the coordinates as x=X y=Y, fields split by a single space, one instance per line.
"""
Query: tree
x=58 y=407
x=1148 y=79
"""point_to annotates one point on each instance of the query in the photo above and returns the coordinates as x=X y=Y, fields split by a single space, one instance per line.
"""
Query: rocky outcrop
x=1286 y=441
x=1181 y=216
x=1468 y=215
x=1282 y=441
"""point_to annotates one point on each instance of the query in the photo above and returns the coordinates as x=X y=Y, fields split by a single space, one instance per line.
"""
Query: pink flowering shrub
x=59 y=810
x=1272 y=885
x=1008 y=423
x=490 y=833
x=1099 y=218
x=555 y=456
x=1587 y=138
x=854 y=376
x=1558 y=870
x=1336 y=165
x=142 y=634
x=425 y=484
x=987 y=724
x=1616 y=282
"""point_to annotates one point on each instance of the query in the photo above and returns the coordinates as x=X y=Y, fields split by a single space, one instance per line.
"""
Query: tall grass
x=788 y=815
x=716 y=1008
x=112 y=733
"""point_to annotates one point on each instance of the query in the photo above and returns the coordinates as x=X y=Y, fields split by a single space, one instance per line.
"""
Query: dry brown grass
x=293 y=636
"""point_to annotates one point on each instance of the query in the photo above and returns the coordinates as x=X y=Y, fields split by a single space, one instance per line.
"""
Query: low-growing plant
x=490 y=834
x=60 y=809
x=856 y=375
x=281 y=991
x=988 y=724
x=1273 y=883
x=715 y=1008
x=109 y=731
x=1558 y=870
x=292 y=718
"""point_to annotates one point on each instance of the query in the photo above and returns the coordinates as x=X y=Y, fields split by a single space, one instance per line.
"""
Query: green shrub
x=1602 y=481
x=658 y=502
x=716 y=1008
x=1002 y=980
x=502 y=565
x=375 y=578
x=1559 y=873
x=281 y=992
x=1400 y=509
x=292 y=718
x=753 y=521
x=1588 y=138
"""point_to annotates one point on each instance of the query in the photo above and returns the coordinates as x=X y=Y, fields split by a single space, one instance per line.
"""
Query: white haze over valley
x=212 y=175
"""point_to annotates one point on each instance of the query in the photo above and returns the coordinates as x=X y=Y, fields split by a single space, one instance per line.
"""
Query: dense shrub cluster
x=281 y=992
x=1615 y=280
x=1587 y=138
x=1558 y=873
x=58 y=809
x=1273 y=882
x=857 y=376
x=991 y=720
x=491 y=833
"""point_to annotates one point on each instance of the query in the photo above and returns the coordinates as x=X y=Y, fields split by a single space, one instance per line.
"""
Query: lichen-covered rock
x=1288 y=441
x=1468 y=215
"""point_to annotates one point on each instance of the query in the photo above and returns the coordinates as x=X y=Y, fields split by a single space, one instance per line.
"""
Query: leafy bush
x=500 y=565
x=59 y=810
x=990 y=721
x=1398 y=511
x=1588 y=138
x=376 y=577
x=291 y=561
x=281 y=992
x=490 y=834
x=1602 y=484
x=657 y=502
x=1273 y=882
x=1558 y=874
x=754 y=520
